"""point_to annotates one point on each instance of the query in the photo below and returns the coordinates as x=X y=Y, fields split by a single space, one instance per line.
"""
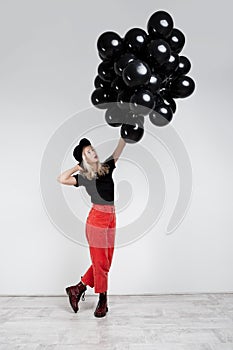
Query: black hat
x=77 y=152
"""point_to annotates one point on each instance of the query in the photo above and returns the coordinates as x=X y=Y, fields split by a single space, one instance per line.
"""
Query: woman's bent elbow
x=60 y=180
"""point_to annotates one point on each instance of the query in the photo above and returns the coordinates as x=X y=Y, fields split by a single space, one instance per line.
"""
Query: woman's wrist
x=77 y=167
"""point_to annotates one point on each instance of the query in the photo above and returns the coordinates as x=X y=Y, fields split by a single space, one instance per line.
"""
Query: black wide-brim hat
x=77 y=152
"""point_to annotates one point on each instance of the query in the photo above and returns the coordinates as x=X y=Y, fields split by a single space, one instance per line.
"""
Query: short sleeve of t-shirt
x=78 y=180
x=111 y=162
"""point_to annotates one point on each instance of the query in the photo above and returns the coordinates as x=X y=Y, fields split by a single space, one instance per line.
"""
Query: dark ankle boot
x=101 y=308
x=75 y=293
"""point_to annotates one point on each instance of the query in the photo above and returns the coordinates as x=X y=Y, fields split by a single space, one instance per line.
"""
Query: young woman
x=100 y=227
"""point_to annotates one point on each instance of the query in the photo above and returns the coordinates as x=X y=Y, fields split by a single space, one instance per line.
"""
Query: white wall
x=48 y=61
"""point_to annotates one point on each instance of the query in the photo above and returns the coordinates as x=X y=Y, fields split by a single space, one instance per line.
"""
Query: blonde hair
x=88 y=171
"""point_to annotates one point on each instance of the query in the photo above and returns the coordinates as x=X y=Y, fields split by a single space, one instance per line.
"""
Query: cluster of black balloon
x=141 y=74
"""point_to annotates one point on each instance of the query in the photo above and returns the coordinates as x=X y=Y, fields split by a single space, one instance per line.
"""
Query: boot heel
x=83 y=296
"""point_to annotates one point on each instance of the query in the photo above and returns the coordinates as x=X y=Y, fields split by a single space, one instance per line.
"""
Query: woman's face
x=91 y=155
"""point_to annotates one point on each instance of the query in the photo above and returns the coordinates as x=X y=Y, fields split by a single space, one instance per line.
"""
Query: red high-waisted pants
x=100 y=232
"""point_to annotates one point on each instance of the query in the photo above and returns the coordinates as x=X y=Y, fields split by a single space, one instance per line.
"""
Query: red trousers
x=100 y=232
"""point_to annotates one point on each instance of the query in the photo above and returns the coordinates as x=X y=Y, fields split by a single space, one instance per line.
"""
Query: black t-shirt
x=101 y=188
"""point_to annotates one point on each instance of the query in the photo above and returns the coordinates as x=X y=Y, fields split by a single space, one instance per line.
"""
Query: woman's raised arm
x=119 y=149
x=66 y=177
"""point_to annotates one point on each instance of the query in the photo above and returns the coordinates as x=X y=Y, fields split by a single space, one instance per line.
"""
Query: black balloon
x=124 y=97
x=109 y=44
x=154 y=84
x=161 y=115
x=114 y=116
x=158 y=51
x=101 y=56
x=132 y=130
x=100 y=98
x=172 y=63
x=106 y=71
x=135 y=40
x=182 y=87
x=142 y=102
x=176 y=40
x=184 y=66
x=118 y=85
x=168 y=100
x=136 y=73
x=122 y=62
x=160 y=23
x=100 y=83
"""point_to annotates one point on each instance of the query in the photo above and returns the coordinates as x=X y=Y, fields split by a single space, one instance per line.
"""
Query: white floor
x=158 y=322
